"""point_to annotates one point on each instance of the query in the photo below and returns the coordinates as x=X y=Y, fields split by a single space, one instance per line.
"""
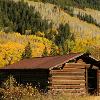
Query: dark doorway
x=92 y=81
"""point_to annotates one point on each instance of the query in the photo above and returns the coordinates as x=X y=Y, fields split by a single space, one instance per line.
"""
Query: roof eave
x=66 y=61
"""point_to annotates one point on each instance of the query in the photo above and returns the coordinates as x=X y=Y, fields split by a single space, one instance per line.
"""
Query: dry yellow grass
x=61 y=97
x=15 y=91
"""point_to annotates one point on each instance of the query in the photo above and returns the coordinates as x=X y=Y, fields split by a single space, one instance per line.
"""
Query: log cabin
x=72 y=73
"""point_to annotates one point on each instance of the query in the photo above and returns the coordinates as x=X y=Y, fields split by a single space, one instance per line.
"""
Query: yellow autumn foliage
x=38 y=49
x=83 y=45
x=12 y=45
x=10 y=52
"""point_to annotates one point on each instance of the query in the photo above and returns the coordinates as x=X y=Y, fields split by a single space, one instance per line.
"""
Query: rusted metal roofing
x=42 y=62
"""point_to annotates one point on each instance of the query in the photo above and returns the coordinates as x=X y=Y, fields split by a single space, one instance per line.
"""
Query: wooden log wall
x=98 y=79
x=70 y=79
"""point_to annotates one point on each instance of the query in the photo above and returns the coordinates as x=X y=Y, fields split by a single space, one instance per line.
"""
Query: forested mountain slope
x=94 y=13
x=94 y=4
x=47 y=29
x=58 y=16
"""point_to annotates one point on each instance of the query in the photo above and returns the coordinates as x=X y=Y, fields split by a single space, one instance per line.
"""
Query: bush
x=11 y=90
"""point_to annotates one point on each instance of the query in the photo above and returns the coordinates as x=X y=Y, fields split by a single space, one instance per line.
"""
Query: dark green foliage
x=53 y=51
x=61 y=52
x=51 y=34
x=69 y=10
x=63 y=37
x=94 y=4
x=45 y=52
x=21 y=17
x=64 y=33
x=5 y=23
x=28 y=51
x=87 y=18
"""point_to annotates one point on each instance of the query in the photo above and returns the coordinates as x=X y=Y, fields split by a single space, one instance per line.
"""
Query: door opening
x=92 y=81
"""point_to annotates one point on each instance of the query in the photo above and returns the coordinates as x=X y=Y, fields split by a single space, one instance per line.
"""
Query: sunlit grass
x=11 y=90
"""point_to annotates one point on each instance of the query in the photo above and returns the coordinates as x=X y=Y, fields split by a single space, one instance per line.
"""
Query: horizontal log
x=67 y=86
x=73 y=68
x=76 y=65
x=66 y=82
x=71 y=76
x=68 y=73
x=68 y=70
x=67 y=78
x=59 y=72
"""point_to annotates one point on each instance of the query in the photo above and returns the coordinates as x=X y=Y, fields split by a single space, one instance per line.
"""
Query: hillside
x=94 y=13
x=86 y=35
x=65 y=30
x=47 y=35
x=94 y=4
x=58 y=16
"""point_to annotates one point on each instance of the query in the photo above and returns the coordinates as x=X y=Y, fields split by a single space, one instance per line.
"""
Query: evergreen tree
x=20 y=16
x=28 y=51
x=87 y=18
x=94 y=4
x=45 y=52
x=53 y=51
x=64 y=34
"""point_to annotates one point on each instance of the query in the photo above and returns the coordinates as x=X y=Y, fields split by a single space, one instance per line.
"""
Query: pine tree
x=45 y=52
x=64 y=35
x=28 y=51
x=19 y=16
x=53 y=51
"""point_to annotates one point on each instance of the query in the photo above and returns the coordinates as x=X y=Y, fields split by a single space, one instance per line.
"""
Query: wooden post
x=86 y=78
x=97 y=82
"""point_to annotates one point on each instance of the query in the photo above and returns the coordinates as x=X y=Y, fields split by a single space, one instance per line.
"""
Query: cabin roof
x=42 y=62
